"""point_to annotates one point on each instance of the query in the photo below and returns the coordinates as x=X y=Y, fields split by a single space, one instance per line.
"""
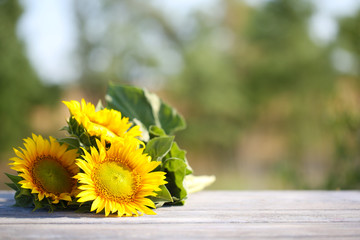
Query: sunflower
x=47 y=168
x=107 y=124
x=119 y=179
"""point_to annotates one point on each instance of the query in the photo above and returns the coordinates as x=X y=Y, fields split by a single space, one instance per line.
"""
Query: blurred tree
x=345 y=111
x=344 y=116
x=237 y=73
x=286 y=59
x=253 y=69
x=349 y=37
x=20 y=88
x=287 y=64
x=120 y=41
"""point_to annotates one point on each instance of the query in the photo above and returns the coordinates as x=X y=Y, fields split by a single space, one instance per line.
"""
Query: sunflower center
x=116 y=180
x=52 y=176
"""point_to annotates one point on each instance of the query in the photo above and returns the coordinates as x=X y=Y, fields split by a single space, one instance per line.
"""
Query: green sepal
x=79 y=133
x=15 y=179
x=23 y=192
x=72 y=142
x=47 y=204
x=37 y=205
x=13 y=186
x=83 y=209
x=65 y=128
x=15 y=182
x=85 y=139
x=23 y=198
x=73 y=127
x=79 y=207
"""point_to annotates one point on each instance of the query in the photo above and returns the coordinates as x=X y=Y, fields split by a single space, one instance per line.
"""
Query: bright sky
x=49 y=34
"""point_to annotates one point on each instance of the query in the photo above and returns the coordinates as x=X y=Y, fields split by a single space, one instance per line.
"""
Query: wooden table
x=206 y=215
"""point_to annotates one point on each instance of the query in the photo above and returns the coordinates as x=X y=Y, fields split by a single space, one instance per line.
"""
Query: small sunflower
x=107 y=124
x=119 y=179
x=47 y=168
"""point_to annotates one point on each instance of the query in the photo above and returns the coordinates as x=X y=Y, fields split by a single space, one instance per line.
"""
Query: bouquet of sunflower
x=120 y=159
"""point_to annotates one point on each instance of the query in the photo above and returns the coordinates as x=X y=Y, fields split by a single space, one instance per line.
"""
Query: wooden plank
x=208 y=215
x=180 y=231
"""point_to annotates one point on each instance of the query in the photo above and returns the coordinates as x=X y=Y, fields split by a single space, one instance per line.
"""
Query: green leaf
x=176 y=152
x=145 y=135
x=162 y=196
x=158 y=147
x=170 y=120
x=158 y=120
x=156 y=131
x=131 y=102
x=136 y=103
x=175 y=169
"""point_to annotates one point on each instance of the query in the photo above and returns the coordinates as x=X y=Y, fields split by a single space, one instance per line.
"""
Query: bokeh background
x=270 y=89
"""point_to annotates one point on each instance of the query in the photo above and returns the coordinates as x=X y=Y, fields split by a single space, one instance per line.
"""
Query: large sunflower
x=47 y=168
x=107 y=124
x=119 y=179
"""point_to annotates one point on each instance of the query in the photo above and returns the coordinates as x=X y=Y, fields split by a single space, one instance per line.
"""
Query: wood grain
x=206 y=215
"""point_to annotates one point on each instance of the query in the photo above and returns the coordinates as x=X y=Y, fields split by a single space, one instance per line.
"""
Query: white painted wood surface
x=206 y=215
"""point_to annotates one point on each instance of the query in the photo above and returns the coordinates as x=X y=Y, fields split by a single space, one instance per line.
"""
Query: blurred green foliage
x=272 y=77
x=349 y=36
x=262 y=99
x=20 y=87
x=345 y=124
x=245 y=73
